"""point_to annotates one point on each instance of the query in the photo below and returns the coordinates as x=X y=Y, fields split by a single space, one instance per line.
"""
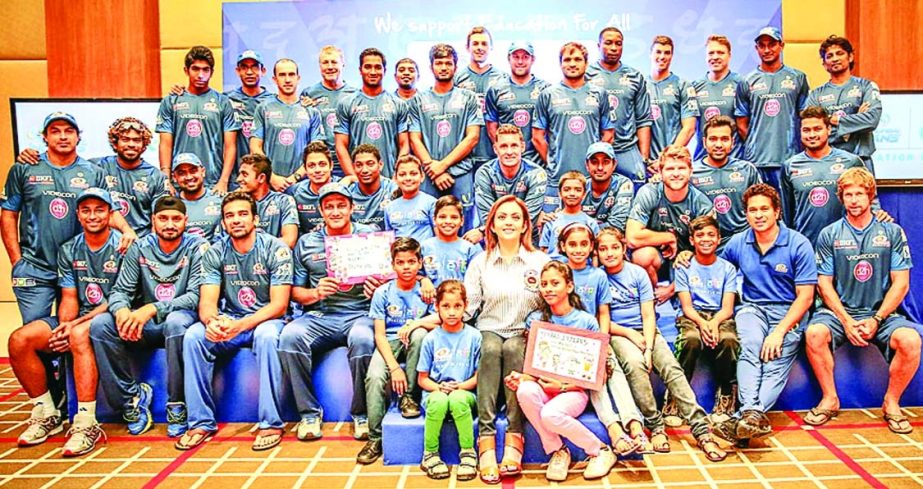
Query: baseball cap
x=169 y=203
x=521 y=45
x=770 y=31
x=59 y=116
x=250 y=54
x=334 y=188
x=95 y=193
x=600 y=147
x=187 y=159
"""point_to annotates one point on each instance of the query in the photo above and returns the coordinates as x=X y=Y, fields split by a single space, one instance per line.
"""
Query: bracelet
x=395 y=368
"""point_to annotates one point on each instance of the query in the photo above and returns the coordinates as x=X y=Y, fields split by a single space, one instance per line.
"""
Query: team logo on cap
x=521 y=118
x=246 y=297
x=819 y=196
x=576 y=125
x=443 y=128
x=722 y=204
x=772 y=107
x=863 y=271
x=94 y=294
x=711 y=112
x=193 y=128
x=374 y=131
x=58 y=208
x=286 y=137
x=165 y=292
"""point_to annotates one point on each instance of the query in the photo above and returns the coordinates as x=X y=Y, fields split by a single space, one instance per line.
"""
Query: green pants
x=459 y=404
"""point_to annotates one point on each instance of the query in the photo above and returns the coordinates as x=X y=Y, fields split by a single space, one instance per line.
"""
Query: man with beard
x=716 y=93
x=200 y=121
x=282 y=127
x=372 y=116
x=406 y=74
x=152 y=303
x=370 y=193
x=325 y=95
x=479 y=76
x=203 y=207
x=512 y=101
x=275 y=211
x=444 y=128
x=86 y=267
x=855 y=103
x=629 y=103
x=569 y=117
x=246 y=285
x=608 y=194
x=673 y=104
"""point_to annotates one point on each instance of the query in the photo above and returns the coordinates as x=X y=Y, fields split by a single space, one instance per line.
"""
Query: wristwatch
x=878 y=319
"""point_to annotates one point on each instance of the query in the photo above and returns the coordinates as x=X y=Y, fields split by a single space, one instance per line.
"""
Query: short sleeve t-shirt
x=374 y=120
x=134 y=192
x=672 y=100
x=772 y=102
x=706 y=284
x=510 y=103
x=246 y=278
x=326 y=101
x=592 y=285
x=91 y=272
x=450 y=356
x=629 y=288
x=652 y=208
x=411 y=218
x=725 y=186
x=629 y=101
x=447 y=261
x=286 y=129
x=442 y=120
x=311 y=266
x=395 y=306
x=610 y=209
x=203 y=215
x=716 y=98
x=480 y=84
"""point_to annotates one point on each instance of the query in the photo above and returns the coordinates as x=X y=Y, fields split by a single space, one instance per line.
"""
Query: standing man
x=203 y=207
x=326 y=94
x=629 y=103
x=569 y=117
x=444 y=128
x=406 y=75
x=275 y=211
x=282 y=127
x=608 y=194
x=674 y=107
x=372 y=116
x=246 y=285
x=370 y=193
x=716 y=93
x=479 y=76
x=153 y=302
x=768 y=102
x=200 y=121
x=512 y=101
x=864 y=266
x=245 y=99
x=854 y=103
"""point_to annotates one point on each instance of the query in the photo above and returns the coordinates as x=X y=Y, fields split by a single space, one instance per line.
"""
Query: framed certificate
x=570 y=355
x=352 y=258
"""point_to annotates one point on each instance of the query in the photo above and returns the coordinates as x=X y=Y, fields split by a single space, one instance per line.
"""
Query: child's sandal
x=467 y=465
x=434 y=467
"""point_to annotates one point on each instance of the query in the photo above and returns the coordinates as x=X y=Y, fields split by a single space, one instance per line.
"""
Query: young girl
x=447 y=373
x=640 y=348
x=410 y=213
x=578 y=243
x=445 y=255
x=550 y=405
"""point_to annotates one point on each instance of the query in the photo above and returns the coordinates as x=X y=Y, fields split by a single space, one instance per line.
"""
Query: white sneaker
x=309 y=429
x=83 y=437
x=558 y=465
x=600 y=465
x=40 y=428
x=361 y=428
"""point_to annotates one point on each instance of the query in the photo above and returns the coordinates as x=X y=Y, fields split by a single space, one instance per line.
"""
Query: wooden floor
x=856 y=450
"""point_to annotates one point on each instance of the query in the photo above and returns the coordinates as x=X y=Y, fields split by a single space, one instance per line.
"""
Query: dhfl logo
x=863 y=271
x=58 y=208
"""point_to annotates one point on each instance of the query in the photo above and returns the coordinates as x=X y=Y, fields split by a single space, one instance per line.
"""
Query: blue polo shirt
x=772 y=278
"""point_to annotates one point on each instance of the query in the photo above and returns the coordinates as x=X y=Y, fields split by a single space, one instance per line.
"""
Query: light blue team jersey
x=629 y=288
x=311 y=266
x=395 y=306
x=373 y=120
x=170 y=281
x=134 y=191
x=551 y=230
x=285 y=130
x=203 y=216
x=725 y=186
x=370 y=209
x=592 y=285
x=855 y=131
x=276 y=210
x=572 y=119
x=245 y=107
x=528 y=184
x=610 y=209
x=411 y=218
x=672 y=100
x=447 y=261
x=307 y=203
x=510 y=103
x=245 y=279
x=861 y=261
x=716 y=98
x=576 y=319
x=326 y=101
x=809 y=201
x=629 y=101
x=706 y=284
x=198 y=124
x=45 y=196
x=480 y=83
x=652 y=209
x=770 y=278
x=450 y=356
x=772 y=102
x=442 y=120
x=91 y=272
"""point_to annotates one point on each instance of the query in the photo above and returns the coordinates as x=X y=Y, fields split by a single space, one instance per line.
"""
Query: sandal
x=662 y=446
x=467 y=465
x=817 y=416
x=266 y=439
x=434 y=467
x=644 y=444
x=625 y=445
x=193 y=438
x=898 y=423
x=511 y=465
x=713 y=451
x=487 y=460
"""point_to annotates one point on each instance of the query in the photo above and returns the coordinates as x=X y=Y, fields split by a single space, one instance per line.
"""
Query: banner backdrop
x=409 y=28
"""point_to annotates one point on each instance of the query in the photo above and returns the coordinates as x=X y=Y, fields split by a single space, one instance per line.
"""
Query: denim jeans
x=378 y=379
x=499 y=357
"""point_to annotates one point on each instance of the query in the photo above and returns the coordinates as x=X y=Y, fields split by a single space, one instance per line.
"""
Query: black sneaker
x=409 y=408
x=369 y=453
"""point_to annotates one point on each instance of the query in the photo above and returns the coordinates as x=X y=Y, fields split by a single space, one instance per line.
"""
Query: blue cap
x=250 y=54
x=770 y=31
x=59 y=116
x=334 y=188
x=95 y=193
x=521 y=45
x=187 y=159
x=600 y=147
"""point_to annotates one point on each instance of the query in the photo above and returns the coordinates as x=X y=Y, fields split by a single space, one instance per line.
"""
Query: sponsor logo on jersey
x=230 y=269
x=818 y=196
x=443 y=128
x=41 y=179
x=781 y=268
x=181 y=106
x=521 y=118
x=772 y=107
x=722 y=204
x=684 y=218
x=844 y=244
x=246 y=297
x=760 y=85
x=165 y=292
x=194 y=128
x=331 y=120
x=576 y=125
x=58 y=208
x=286 y=137
x=863 y=271
x=788 y=84
x=826 y=98
x=374 y=131
x=94 y=294
x=801 y=172
x=123 y=205
x=711 y=112
x=655 y=112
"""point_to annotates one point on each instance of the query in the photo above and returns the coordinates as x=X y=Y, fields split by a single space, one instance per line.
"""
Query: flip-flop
x=266 y=439
x=817 y=416
x=192 y=439
x=898 y=423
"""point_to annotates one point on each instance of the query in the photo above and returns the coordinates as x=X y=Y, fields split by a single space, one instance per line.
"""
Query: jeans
x=460 y=404
x=499 y=357
x=554 y=417
x=616 y=389
x=759 y=384
x=378 y=379
x=689 y=347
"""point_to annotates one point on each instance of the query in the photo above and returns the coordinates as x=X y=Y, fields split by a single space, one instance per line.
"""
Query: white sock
x=86 y=410
x=47 y=403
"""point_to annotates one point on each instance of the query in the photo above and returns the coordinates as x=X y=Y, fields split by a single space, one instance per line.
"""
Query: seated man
x=864 y=266
x=153 y=302
x=246 y=285
x=276 y=211
x=609 y=194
